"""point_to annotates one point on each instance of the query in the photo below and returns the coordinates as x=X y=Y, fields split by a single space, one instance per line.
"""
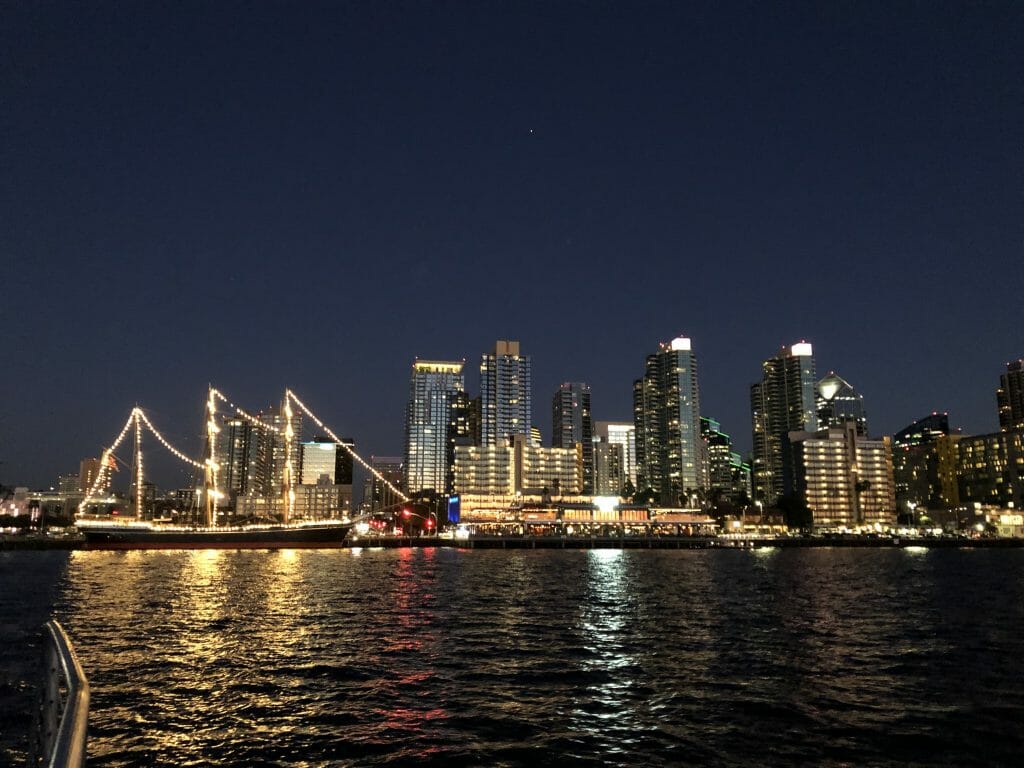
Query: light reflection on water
x=486 y=658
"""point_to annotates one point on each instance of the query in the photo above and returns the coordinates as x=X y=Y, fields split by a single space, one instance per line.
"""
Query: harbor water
x=547 y=657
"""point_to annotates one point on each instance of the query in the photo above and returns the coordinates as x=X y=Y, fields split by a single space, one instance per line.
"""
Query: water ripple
x=397 y=657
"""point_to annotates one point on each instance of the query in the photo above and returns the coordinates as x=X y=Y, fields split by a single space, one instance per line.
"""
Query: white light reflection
x=605 y=632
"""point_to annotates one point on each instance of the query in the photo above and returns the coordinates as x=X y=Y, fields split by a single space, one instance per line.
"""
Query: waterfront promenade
x=581 y=541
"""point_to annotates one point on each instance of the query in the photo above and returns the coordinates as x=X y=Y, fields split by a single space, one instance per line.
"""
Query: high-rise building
x=666 y=413
x=571 y=425
x=235 y=447
x=433 y=390
x=624 y=434
x=844 y=479
x=782 y=402
x=924 y=465
x=838 y=402
x=505 y=387
x=275 y=449
x=990 y=469
x=461 y=431
x=1010 y=397
x=609 y=478
x=251 y=456
x=323 y=457
x=728 y=476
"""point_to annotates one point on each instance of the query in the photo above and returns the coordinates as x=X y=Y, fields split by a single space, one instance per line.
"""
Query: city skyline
x=741 y=433
x=259 y=200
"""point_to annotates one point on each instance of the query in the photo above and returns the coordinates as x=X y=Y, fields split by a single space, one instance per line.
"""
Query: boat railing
x=63 y=713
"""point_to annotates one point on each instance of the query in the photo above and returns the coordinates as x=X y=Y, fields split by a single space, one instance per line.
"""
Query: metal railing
x=63 y=714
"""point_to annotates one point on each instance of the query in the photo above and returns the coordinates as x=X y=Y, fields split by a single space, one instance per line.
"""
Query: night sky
x=263 y=196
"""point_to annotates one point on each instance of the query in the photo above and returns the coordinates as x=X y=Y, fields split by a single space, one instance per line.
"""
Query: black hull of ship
x=309 y=537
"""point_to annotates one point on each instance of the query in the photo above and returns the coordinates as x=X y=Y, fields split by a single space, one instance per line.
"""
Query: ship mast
x=289 y=434
x=210 y=473
x=138 y=463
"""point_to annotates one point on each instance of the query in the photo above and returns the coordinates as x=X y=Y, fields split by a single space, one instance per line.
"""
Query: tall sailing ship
x=206 y=531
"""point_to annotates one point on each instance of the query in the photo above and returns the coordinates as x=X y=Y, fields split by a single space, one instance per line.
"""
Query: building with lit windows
x=571 y=426
x=782 y=402
x=609 y=477
x=990 y=469
x=505 y=386
x=89 y=470
x=622 y=434
x=325 y=458
x=728 y=476
x=433 y=390
x=236 y=455
x=323 y=500
x=516 y=468
x=924 y=460
x=251 y=457
x=1010 y=397
x=666 y=414
x=845 y=480
x=838 y=402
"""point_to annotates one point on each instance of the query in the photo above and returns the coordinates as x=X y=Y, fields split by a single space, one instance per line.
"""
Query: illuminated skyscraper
x=666 y=413
x=782 y=402
x=838 y=402
x=1010 y=397
x=433 y=390
x=504 y=394
x=571 y=425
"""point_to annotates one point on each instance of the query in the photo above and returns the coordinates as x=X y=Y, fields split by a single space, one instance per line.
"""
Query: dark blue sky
x=264 y=196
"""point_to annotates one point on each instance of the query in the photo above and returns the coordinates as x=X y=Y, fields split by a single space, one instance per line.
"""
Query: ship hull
x=273 y=537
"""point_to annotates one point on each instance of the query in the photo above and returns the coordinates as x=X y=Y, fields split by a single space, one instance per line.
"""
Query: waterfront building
x=505 y=386
x=434 y=389
x=1010 y=397
x=924 y=458
x=571 y=425
x=782 y=402
x=609 y=475
x=323 y=500
x=838 y=402
x=666 y=414
x=484 y=470
x=990 y=469
x=624 y=434
x=518 y=467
x=843 y=478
